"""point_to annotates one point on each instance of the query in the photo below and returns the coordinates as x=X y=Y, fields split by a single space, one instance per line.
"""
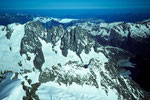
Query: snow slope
x=11 y=88
x=10 y=49
x=54 y=56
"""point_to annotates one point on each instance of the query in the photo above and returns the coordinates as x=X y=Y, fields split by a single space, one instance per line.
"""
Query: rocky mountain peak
x=72 y=57
x=77 y=39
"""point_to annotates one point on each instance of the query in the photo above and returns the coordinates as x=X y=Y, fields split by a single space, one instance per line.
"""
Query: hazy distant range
x=109 y=15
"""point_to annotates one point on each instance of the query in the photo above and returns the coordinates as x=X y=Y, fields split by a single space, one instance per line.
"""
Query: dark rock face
x=30 y=91
x=132 y=44
x=65 y=43
x=54 y=34
x=9 y=32
x=115 y=54
x=31 y=43
x=76 y=40
x=126 y=36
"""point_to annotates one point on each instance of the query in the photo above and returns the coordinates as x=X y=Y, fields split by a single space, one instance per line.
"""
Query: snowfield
x=10 y=49
x=47 y=19
x=53 y=91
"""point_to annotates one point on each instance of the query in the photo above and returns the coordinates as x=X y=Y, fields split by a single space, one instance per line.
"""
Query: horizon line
x=72 y=8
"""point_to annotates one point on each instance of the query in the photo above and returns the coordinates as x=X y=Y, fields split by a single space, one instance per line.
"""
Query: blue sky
x=73 y=4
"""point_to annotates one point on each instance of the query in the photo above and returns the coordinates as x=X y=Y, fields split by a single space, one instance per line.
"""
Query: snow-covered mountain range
x=78 y=62
x=133 y=37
